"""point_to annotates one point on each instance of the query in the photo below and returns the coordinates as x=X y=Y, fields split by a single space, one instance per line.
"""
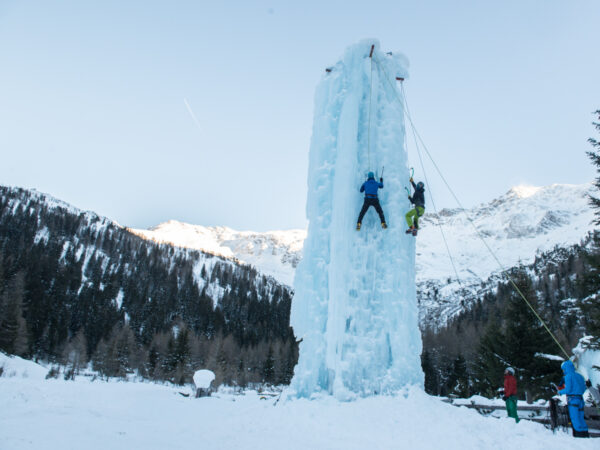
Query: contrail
x=189 y=108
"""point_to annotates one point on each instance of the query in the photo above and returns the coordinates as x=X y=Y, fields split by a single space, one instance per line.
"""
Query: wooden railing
x=545 y=414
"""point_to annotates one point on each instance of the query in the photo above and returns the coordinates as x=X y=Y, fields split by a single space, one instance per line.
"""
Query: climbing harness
x=418 y=139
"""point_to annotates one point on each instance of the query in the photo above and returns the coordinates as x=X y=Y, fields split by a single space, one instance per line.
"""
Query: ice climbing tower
x=355 y=300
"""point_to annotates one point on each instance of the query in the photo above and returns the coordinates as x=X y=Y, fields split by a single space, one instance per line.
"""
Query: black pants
x=371 y=202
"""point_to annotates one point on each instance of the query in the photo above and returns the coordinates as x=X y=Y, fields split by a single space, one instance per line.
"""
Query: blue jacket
x=574 y=382
x=370 y=187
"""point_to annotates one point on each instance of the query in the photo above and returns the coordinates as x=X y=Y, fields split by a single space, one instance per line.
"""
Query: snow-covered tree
x=590 y=305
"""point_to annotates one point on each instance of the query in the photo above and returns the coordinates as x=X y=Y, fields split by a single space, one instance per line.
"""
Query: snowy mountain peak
x=274 y=253
x=524 y=191
x=518 y=225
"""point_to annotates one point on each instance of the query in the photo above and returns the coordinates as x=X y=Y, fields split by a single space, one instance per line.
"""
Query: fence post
x=553 y=414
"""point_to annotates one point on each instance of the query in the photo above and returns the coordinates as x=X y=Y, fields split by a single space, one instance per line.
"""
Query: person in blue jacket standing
x=370 y=188
x=574 y=387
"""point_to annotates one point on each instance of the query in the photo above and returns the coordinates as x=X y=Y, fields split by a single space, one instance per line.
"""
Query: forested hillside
x=75 y=286
x=468 y=355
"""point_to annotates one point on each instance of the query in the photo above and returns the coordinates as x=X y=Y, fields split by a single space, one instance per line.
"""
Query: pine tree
x=13 y=328
x=526 y=339
x=590 y=281
x=268 y=369
x=594 y=155
x=431 y=379
x=491 y=360
x=461 y=384
x=182 y=357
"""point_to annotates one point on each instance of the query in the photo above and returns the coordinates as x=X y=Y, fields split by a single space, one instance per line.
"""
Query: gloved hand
x=588 y=383
x=504 y=397
x=411 y=180
x=381 y=180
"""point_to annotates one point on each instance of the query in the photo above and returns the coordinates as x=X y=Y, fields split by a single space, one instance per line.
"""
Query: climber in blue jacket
x=574 y=388
x=370 y=188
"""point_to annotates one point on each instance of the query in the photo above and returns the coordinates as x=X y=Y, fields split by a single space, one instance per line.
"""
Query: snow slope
x=274 y=253
x=67 y=415
x=525 y=221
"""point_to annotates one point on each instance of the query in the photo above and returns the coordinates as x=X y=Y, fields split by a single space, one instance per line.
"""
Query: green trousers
x=511 y=407
x=414 y=213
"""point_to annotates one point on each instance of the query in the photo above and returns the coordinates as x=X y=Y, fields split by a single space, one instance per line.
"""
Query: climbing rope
x=503 y=270
x=435 y=210
x=370 y=96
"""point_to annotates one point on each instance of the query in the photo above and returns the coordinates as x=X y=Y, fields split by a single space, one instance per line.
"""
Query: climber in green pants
x=417 y=199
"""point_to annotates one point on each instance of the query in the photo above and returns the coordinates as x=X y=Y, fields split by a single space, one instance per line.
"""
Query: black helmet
x=420 y=185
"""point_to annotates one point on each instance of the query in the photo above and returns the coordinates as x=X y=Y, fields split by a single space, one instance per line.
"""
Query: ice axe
x=412 y=173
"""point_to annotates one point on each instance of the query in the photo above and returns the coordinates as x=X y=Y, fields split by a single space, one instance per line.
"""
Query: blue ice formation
x=355 y=298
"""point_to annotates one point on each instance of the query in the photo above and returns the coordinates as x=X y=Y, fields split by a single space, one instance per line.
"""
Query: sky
x=146 y=111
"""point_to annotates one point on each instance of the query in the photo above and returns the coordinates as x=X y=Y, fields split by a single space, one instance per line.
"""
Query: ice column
x=355 y=299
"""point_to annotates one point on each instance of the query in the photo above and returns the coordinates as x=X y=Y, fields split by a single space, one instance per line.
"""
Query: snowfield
x=62 y=415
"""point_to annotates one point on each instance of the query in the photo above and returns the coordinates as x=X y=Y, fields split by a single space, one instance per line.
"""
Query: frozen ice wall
x=355 y=301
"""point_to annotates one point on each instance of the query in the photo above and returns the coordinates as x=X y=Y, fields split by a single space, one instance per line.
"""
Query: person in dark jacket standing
x=574 y=387
x=417 y=199
x=370 y=188
x=510 y=393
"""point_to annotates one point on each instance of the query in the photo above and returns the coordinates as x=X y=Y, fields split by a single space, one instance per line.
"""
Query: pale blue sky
x=92 y=96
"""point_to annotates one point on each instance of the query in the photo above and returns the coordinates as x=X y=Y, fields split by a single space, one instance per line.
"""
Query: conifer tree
x=526 y=341
x=427 y=364
x=13 y=328
x=268 y=369
x=182 y=357
x=460 y=385
x=491 y=360
x=590 y=305
x=594 y=155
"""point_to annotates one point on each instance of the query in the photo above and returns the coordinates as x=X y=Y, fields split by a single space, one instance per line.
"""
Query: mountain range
x=509 y=230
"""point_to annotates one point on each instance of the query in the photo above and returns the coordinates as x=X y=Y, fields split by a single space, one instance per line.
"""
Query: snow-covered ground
x=56 y=414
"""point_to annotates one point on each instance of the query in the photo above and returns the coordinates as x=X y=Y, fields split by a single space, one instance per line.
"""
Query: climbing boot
x=358 y=226
x=411 y=230
x=383 y=225
x=414 y=231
